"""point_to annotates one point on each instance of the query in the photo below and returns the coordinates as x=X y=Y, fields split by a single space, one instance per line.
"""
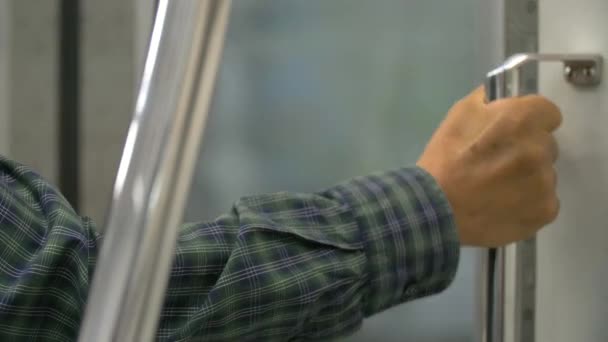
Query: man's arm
x=277 y=267
x=301 y=266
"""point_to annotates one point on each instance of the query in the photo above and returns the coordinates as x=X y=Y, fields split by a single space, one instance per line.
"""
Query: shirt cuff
x=409 y=234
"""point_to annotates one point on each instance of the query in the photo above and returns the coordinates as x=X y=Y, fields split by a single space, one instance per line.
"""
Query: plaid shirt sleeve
x=277 y=267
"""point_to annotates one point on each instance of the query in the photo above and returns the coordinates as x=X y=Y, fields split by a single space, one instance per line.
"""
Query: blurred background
x=309 y=93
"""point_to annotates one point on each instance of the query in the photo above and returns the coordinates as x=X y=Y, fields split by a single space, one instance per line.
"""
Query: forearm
x=277 y=267
x=311 y=266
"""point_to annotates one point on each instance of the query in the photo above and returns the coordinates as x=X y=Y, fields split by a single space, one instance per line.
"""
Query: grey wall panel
x=572 y=253
x=144 y=11
x=5 y=35
x=108 y=88
x=33 y=81
x=489 y=30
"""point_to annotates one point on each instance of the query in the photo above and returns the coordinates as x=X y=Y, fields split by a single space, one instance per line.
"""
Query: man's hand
x=495 y=164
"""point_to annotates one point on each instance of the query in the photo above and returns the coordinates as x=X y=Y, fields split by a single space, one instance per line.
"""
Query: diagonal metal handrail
x=155 y=171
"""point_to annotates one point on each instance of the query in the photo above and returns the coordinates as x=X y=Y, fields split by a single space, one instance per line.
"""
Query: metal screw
x=582 y=75
x=589 y=72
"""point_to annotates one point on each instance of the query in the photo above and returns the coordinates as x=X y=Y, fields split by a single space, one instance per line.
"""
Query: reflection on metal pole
x=155 y=171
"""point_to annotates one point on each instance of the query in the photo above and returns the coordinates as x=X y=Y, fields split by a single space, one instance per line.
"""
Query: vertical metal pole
x=508 y=274
x=155 y=171
x=500 y=290
x=521 y=35
x=520 y=29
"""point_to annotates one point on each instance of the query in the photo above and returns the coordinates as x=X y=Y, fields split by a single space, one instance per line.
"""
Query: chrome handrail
x=155 y=171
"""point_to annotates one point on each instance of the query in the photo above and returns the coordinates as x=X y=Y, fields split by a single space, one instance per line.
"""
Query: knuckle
x=550 y=106
x=539 y=99
x=548 y=181
x=552 y=147
x=547 y=205
x=558 y=116
x=542 y=102
x=541 y=106
x=550 y=209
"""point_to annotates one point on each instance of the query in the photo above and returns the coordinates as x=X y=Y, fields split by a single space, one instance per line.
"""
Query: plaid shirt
x=277 y=267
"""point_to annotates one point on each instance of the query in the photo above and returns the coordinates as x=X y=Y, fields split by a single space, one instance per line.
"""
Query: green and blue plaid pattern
x=277 y=267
